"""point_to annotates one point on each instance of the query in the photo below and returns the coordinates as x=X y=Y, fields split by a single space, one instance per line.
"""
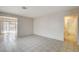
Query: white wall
x=51 y=26
x=25 y=24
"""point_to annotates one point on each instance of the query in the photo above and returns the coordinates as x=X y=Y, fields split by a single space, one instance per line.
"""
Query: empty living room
x=39 y=29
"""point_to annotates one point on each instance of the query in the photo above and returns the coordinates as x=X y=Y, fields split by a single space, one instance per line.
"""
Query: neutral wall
x=25 y=24
x=51 y=26
x=78 y=32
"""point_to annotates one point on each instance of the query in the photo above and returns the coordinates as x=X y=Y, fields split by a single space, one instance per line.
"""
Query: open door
x=70 y=33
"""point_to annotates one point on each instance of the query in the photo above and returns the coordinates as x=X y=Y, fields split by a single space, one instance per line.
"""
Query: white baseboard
x=48 y=37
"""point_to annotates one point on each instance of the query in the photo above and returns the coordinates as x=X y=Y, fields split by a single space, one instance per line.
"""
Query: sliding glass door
x=8 y=31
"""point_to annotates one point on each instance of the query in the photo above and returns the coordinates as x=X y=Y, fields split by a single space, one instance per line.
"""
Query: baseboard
x=25 y=36
x=47 y=37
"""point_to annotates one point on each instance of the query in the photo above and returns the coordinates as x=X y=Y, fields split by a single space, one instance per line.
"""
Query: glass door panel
x=8 y=31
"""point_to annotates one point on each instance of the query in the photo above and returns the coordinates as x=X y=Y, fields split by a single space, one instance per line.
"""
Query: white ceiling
x=34 y=11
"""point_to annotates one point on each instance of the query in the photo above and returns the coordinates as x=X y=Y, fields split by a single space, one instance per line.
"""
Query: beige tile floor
x=32 y=43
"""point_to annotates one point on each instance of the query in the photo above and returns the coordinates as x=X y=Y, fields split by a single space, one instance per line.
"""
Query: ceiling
x=34 y=11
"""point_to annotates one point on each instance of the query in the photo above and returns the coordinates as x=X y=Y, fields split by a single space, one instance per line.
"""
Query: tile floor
x=32 y=43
